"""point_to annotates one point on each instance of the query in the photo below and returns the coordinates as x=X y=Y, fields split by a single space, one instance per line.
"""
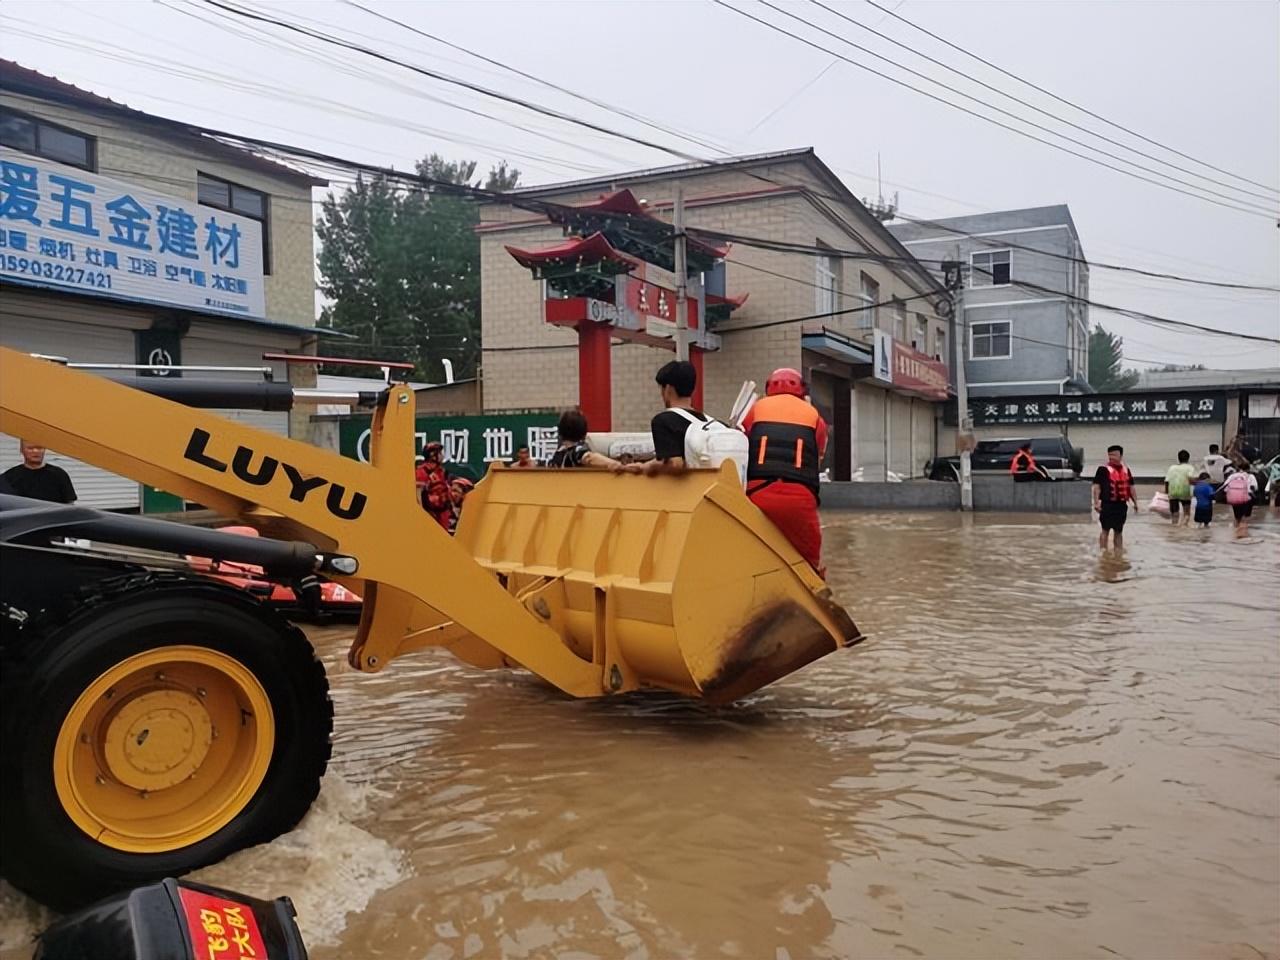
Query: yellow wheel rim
x=164 y=749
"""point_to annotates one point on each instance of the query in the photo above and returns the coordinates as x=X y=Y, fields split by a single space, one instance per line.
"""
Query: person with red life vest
x=1112 y=493
x=788 y=439
x=430 y=470
x=459 y=489
x=437 y=501
x=1023 y=467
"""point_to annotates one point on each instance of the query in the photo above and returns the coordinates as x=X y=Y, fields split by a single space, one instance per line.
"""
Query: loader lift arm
x=368 y=511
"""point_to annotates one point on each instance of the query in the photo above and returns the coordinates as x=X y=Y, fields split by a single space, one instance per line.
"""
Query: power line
x=786 y=246
x=790 y=99
x=1014 y=76
x=445 y=78
x=1252 y=211
x=1138 y=315
x=1150 y=318
x=1022 y=119
x=225 y=22
x=1026 y=103
x=1002 y=244
x=278 y=93
x=639 y=118
x=722 y=330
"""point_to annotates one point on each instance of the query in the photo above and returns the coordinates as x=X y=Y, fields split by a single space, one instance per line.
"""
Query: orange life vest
x=1023 y=462
x=784 y=441
x=1121 y=483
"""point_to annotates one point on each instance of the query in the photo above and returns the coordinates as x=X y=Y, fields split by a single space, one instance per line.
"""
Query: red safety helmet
x=785 y=380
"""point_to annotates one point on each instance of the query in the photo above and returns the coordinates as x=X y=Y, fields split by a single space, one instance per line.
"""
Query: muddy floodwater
x=1037 y=753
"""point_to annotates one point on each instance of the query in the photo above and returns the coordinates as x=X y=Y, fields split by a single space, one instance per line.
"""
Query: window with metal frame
x=921 y=339
x=869 y=294
x=20 y=131
x=991 y=268
x=899 y=320
x=825 y=284
x=992 y=340
x=244 y=201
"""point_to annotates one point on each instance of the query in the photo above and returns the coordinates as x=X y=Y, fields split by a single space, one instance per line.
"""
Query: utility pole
x=960 y=338
x=682 y=293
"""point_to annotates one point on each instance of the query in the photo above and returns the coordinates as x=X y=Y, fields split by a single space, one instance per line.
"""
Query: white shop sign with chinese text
x=66 y=228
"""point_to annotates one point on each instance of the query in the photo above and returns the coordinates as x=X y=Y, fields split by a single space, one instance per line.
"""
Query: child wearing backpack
x=1240 y=488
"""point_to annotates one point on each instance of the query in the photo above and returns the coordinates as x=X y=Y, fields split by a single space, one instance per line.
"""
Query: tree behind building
x=1106 y=363
x=400 y=266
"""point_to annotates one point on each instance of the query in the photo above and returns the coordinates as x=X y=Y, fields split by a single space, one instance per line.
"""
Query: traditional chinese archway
x=613 y=280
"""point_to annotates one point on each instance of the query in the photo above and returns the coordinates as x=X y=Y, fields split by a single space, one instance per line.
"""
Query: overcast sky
x=1203 y=78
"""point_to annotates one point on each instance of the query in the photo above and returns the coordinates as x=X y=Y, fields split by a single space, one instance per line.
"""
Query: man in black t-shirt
x=676 y=380
x=39 y=480
x=1113 y=491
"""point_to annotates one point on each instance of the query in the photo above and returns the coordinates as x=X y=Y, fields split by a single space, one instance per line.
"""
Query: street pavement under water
x=1036 y=753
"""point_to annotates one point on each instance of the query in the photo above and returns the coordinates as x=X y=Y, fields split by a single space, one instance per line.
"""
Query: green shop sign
x=470 y=443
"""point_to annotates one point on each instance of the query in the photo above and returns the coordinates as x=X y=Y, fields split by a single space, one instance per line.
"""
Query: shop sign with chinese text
x=470 y=442
x=67 y=228
x=1100 y=408
x=902 y=366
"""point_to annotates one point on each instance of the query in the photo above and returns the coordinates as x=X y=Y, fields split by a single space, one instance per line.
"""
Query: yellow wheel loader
x=154 y=722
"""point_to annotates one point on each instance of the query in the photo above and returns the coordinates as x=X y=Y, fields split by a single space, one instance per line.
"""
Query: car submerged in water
x=1058 y=458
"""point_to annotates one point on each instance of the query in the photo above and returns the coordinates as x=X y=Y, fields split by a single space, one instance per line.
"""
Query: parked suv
x=1059 y=459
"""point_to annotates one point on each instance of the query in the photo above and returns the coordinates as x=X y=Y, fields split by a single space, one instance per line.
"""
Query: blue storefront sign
x=66 y=228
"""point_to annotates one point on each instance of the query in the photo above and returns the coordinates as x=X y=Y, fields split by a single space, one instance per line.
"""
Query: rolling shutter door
x=88 y=343
x=1149 y=448
x=922 y=441
x=868 y=405
x=900 y=435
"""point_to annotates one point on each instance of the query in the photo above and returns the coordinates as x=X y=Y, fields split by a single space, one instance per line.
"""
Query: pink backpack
x=1237 y=487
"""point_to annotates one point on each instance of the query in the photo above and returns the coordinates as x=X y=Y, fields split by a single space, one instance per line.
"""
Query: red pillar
x=695 y=357
x=595 y=375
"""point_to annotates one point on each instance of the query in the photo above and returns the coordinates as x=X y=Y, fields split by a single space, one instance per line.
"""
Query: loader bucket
x=676 y=582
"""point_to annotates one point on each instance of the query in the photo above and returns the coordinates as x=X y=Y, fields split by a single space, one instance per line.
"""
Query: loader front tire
x=154 y=725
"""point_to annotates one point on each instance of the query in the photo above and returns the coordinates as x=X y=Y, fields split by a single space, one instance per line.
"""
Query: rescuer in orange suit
x=788 y=439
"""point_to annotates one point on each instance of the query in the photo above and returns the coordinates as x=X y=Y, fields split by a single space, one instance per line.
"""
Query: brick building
x=880 y=419
x=129 y=238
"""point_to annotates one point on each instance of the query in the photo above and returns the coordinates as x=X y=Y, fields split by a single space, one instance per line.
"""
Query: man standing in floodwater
x=1177 y=484
x=1112 y=493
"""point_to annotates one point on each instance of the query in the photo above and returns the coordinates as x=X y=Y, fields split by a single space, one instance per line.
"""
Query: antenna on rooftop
x=880 y=209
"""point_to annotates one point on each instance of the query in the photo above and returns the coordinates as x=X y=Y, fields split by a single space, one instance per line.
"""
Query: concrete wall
x=168 y=164
x=996 y=495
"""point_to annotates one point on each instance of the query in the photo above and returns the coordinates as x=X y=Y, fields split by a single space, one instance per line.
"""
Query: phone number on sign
x=56 y=271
